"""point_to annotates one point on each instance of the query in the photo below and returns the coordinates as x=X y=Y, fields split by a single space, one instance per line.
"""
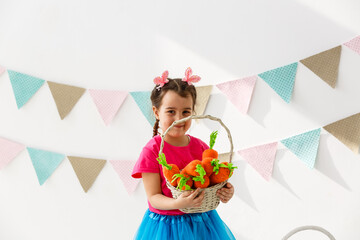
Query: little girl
x=174 y=99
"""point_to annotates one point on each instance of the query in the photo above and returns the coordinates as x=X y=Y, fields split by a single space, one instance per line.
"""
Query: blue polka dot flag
x=44 y=162
x=281 y=80
x=305 y=146
x=143 y=101
x=24 y=86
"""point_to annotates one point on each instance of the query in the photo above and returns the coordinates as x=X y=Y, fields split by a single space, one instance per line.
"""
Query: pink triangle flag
x=2 y=69
x=8 y=151
x=124 y=169
x=261 y=158
x=107 y=102
x=239 y=92
x=354 y=44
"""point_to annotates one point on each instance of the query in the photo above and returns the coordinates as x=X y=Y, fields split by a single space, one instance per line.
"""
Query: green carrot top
x=199 y=179
x=202 y=173
x=217 y=165
x=213 y=136
x=162 y=160
x=200 y=170
x=230 y=167
x=182 y=182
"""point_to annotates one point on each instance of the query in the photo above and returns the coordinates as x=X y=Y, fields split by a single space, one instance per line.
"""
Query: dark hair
x=177 y=85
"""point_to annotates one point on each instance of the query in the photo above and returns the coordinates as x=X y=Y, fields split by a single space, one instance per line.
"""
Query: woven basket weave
x=211 y=201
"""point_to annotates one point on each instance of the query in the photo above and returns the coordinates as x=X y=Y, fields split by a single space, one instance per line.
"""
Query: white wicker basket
x=211 y=201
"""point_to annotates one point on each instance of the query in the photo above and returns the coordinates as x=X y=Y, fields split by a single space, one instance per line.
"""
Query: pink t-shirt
x=180 y=156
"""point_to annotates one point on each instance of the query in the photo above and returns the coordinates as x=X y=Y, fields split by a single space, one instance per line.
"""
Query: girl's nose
x=178 y=116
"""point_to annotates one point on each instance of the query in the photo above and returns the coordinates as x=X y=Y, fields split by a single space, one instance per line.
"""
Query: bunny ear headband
x=189 y=78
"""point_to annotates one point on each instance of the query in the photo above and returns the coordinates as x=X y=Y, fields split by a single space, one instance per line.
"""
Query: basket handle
x=198 y=117
x=310 y=227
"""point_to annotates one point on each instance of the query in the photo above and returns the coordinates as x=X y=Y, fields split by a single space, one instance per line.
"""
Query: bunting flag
x=65 y=97
x=124 y=170
x=325 y=65
x=107 y=102
x=347 y=130
x=281 y=80
x=2 y=69
x=305 y=146
x=261 y=158
x=202 y=98
x=354 y=44
x=86 y=169
x=143 y=101
x=24 y=86
x=239 y=92
x=8 y=151
x=44 y=162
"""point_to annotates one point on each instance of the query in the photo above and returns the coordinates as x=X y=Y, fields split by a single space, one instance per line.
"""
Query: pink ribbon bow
x=161 y=80
x=190 y=79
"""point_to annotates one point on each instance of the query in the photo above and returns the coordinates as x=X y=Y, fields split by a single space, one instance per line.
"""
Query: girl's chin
x=177 y=133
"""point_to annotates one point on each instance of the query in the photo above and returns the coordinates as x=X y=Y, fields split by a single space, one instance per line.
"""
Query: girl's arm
x=159 y=201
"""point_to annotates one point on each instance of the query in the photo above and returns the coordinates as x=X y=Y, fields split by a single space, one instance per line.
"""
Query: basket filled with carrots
x=208 y=173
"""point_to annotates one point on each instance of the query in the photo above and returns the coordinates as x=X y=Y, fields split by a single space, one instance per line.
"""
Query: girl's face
x=174 y=107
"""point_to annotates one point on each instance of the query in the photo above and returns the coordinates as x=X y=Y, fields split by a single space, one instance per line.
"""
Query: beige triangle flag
x=65 y=97
x=202 y=98
x=325 y=65
x=347 y=130
x=86 y=169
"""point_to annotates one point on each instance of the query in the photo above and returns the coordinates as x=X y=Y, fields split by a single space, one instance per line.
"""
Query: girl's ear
x=156 y=112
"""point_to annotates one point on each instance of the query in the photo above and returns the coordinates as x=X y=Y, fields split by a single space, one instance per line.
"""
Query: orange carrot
x=211 y=152
x=184 y=181
x=201 y=182
x=168 y=169
x=222 y=171
x=206 y=163
x=191 y=168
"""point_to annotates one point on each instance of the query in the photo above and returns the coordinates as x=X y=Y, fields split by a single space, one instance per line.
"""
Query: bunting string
x=261 y=157
x=239 y=92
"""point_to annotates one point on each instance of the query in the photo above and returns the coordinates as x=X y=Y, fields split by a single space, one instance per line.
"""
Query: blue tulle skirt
x=193 y=226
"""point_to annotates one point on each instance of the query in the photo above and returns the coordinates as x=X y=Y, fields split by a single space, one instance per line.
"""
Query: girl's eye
x=171 y=111
x=186 y=112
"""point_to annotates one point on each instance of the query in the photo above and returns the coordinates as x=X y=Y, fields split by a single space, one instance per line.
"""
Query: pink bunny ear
x=188 y=72
x=161 y=80
x=194 y=79
x=165 y=75
x=190 y=79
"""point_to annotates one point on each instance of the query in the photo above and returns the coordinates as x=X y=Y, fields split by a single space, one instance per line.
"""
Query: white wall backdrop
x=123 y=45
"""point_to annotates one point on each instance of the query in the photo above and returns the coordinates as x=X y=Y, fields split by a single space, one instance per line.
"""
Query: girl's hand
x=226 y=192
x=188 y=199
